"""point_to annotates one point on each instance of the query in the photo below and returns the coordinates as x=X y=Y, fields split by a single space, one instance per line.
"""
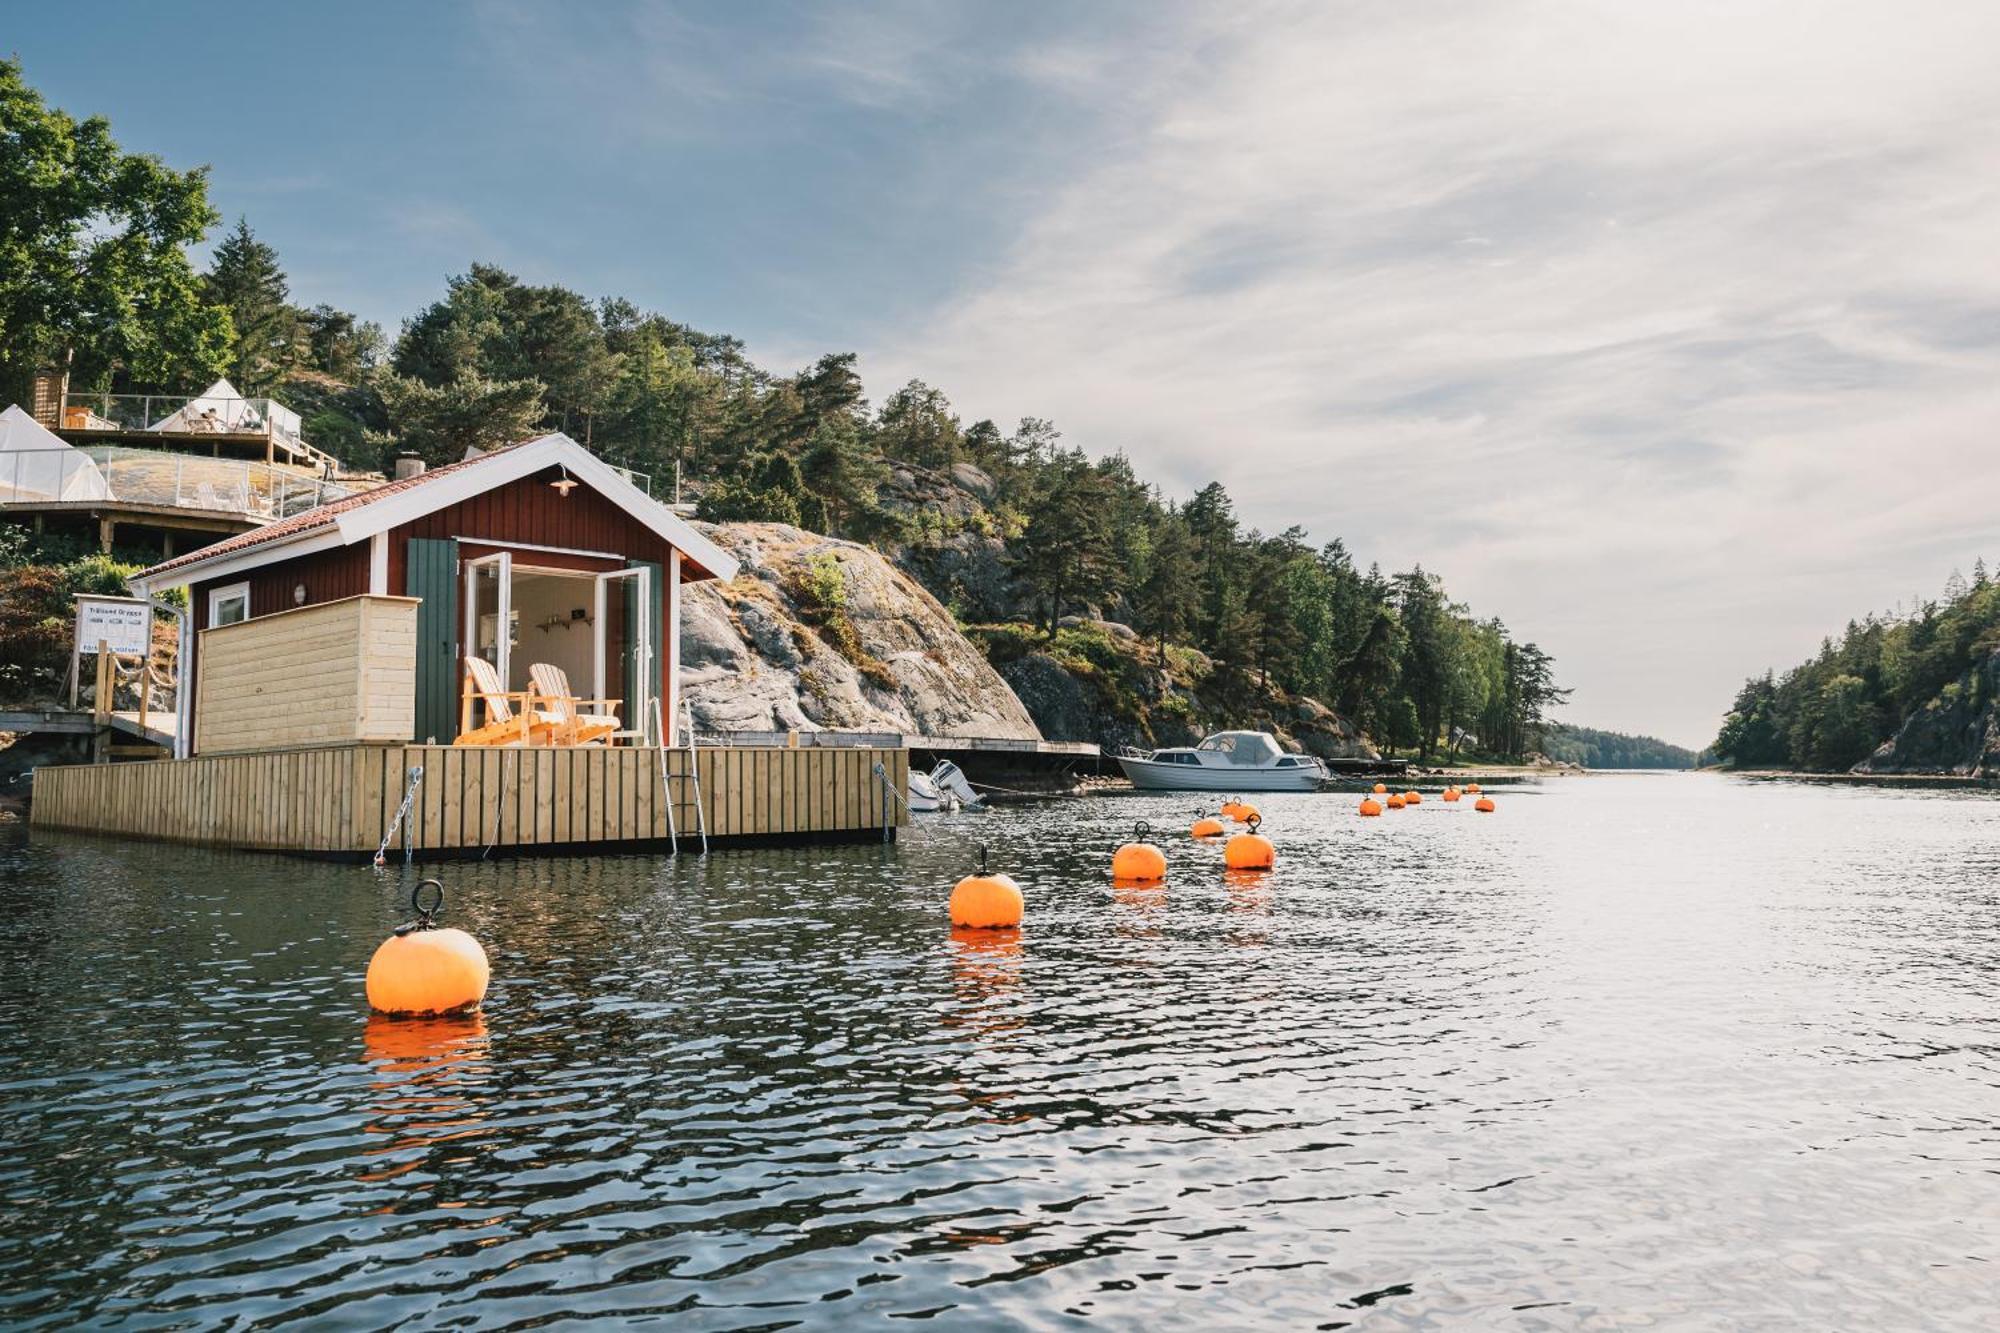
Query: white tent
x=36 y=464
x=218 y=408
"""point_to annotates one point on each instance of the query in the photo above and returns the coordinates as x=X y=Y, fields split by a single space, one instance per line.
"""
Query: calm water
x=1664 y=1052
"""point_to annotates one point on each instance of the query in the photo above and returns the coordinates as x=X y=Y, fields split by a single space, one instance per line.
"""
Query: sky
x=1668 y=333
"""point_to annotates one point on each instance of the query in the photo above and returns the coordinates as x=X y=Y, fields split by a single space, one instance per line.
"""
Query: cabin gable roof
x=357 y=518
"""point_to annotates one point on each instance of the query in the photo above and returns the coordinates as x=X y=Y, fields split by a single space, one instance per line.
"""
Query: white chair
x=572 y=726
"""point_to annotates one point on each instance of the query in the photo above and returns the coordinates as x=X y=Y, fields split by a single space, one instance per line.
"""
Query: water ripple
x=1636 y=1052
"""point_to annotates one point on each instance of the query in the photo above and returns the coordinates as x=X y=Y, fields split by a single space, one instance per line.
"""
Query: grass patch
x=818 y=587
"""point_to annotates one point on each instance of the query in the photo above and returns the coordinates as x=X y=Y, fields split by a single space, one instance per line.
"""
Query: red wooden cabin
x=536 y=552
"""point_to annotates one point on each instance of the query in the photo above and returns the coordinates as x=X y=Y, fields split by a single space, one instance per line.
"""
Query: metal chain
x=402 y=812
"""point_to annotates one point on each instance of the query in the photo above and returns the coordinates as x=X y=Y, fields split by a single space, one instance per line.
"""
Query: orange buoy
x=422 y=970
x=1206 y=825
x=1413 y=798
x=1394 y=802
x=986 y=902
x=1472 y=787
x=1246 y=813
x=1250 y=851
x=1232 y=808
x=1451 y=793
x=1381 y=788
x=1139 y=861
x=1370 y=806
x=1484 y=805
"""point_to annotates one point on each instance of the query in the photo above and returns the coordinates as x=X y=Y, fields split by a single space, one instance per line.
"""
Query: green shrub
x=98 y=574
x=1089 y=646
x=1008 y=642
x=727 y=502
x=818 y=586
x=821 y=584
x=38 y=614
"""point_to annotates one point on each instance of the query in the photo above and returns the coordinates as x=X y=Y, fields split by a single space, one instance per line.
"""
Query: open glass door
x=489 y=613
x=625 y=649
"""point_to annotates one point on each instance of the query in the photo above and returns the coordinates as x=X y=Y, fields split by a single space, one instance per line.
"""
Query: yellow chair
x=569 y=724
x=503 y=725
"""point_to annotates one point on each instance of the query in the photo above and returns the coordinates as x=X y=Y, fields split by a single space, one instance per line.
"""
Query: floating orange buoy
x=1484 y=805
x=1394 y=802
x=1370 y=807
x=1451 y=793
x=1381 y=788
x=1250 y=851
x=1232 y=809
x=1472 y=787
x=1413 y=798
x=986 y=902
x=423 y=971
x=1206 y=826
x=1139 y=861
x=1246 y=814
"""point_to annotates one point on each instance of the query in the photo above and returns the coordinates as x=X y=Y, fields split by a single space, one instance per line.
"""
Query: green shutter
x=433 y=576
x=656 y=616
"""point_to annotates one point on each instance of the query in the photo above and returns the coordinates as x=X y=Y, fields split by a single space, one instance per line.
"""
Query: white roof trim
x=497 y=469
x=523 y=460
x=235 y=562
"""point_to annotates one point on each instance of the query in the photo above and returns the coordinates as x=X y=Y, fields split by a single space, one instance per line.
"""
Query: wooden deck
x=341 y=801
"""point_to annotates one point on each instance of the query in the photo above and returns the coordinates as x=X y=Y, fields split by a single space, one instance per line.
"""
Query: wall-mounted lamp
x=565 y=484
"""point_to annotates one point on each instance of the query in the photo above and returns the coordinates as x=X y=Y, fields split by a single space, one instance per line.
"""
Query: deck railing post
x=100 y=706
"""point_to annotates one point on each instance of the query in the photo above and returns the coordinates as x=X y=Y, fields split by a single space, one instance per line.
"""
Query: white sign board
x=124 y=623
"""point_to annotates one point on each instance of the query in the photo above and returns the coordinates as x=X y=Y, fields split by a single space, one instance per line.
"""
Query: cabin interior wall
x=548 y=629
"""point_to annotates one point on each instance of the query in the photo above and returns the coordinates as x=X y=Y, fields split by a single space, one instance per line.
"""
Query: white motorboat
x=943 y=788
x=1232 y=761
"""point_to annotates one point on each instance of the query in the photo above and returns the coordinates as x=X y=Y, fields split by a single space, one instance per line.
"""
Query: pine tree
x=916 y=426
x=244 y=279
x=1064 y=553
x=843 y=469
x=1169 y=600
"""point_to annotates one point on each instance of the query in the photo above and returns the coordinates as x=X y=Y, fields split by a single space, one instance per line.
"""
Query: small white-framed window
x=228 y=605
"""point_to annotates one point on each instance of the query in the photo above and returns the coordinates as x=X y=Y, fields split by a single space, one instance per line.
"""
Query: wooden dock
x=341 y=801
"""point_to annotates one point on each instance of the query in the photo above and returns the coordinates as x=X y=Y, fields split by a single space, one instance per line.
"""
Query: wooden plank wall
x=341 y=799
x=338 y=671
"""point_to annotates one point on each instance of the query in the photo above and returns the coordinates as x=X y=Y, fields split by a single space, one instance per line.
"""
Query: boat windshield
x=1243 y=747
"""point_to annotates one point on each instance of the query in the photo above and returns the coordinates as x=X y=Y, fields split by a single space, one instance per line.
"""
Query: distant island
x=1906 y=692
x=1591 y=748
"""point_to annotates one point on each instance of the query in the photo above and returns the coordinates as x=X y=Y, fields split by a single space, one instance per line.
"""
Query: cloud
x=1665 y=332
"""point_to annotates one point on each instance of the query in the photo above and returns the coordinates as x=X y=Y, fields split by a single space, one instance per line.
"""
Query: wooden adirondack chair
x=503 y=725
x=571 y=725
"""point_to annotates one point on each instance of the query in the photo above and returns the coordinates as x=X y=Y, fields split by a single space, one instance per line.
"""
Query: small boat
x=1227 y=761
x=943 y=788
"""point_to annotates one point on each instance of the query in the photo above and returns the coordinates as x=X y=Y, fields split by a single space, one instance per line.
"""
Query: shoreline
x=1857 y=779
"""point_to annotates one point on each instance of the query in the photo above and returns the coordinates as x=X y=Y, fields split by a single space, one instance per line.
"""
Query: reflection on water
x=1633 y=1052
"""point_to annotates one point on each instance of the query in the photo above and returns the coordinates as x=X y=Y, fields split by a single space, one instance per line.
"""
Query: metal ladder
x=668 y=779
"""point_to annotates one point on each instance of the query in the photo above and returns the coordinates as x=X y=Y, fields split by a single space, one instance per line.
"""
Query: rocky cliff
x=817 y=633
x=1098 y=681
x=1957 y=732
